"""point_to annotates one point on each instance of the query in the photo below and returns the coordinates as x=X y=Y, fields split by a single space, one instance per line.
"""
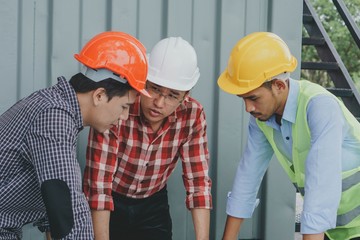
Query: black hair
x=267 y=84
x=113 y=88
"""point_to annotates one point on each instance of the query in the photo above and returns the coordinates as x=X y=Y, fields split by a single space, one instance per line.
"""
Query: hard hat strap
x=281 y=76
x=98 y=75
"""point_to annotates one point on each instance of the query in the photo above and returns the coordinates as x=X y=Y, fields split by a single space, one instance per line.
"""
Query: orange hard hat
x=120 y=53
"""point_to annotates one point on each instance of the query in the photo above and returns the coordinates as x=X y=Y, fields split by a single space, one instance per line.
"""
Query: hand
x=201 y=220
x=232 y=228
x=101 y=219
x=319 y=236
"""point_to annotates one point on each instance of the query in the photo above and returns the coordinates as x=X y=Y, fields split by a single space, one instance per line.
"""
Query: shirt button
x=287 y=138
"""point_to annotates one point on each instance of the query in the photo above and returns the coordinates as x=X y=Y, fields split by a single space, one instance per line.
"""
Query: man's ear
x=187 y=93
x=99 y=96
x=280 y=84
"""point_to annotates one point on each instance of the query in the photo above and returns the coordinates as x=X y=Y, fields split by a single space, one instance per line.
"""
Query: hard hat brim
x=178 y=86
x=144 y=92
x=228 y=86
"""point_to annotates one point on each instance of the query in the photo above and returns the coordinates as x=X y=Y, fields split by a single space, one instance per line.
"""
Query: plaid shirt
x=38 y=143
x=134 y=161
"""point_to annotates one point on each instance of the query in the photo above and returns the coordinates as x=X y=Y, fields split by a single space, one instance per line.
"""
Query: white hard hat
x=173 y=64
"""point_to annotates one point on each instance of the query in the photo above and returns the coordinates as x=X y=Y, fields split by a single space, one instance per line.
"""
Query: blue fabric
x=333 y=149
x=38 y=143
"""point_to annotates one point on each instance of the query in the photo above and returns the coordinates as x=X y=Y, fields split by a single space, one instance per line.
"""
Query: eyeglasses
x=170 y=99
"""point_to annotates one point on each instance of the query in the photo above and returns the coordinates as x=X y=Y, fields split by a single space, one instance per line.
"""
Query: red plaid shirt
x=138 y=162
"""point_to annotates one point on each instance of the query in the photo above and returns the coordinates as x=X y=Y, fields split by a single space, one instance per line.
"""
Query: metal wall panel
x=279 y=213
x=8 y=53
x=39 y=37
x=238 y=18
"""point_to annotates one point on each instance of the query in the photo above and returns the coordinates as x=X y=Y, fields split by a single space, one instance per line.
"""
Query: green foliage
x=341 y=38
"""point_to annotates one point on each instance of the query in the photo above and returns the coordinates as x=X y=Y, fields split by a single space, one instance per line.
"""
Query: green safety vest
x=348 y=213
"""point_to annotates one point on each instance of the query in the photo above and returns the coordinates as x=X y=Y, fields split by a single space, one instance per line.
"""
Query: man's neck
x=278 y=119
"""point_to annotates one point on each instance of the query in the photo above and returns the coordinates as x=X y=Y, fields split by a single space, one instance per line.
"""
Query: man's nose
x=249 y=107
x=160 y=100
x=124 y=115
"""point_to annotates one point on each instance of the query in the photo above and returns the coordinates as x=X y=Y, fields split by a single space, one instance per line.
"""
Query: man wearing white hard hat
x=127 y=168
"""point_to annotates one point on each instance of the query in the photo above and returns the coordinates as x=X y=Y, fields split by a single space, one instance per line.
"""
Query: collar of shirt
x=70 y=94
x=289 y=114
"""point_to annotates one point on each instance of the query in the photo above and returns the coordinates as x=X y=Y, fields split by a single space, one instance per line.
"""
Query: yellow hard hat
x=255 y=59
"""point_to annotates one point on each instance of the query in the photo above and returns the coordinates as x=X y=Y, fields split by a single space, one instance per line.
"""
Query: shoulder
x=52 y=104
x=190 y=110
x=191 y=113
x=191 y=104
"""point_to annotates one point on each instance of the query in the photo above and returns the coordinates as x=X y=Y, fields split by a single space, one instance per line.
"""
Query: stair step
x=307 y=18
x=341 y=92
x=329 y=59
x=313 y=41
x=320 y=65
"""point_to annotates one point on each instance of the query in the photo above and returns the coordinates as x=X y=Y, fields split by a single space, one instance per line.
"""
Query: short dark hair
x=83 y=84
x=267 y=84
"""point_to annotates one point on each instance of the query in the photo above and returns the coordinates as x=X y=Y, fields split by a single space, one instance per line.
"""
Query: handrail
x=348 y=19
x=342 y=80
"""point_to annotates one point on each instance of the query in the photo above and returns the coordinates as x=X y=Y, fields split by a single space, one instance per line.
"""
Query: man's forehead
x=165 y=88
x=247 y=95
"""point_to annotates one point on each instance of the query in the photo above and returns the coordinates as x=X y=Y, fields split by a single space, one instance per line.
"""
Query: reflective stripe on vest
x=346 y=183
x=346 y=218
x=350 y=181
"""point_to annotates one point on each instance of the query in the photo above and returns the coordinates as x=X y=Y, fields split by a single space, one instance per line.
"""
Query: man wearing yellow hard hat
x=313 y=135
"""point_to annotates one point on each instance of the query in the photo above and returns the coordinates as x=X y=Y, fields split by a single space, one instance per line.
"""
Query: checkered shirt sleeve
x=195 y=157
x=54 y=157
x=100 y=167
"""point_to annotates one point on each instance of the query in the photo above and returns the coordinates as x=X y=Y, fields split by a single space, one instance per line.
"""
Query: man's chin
x=258 y=117
x=262 y=119
x=101 y=130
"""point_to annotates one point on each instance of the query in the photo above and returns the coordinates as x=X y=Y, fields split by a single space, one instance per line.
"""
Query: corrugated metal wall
x=39 y=37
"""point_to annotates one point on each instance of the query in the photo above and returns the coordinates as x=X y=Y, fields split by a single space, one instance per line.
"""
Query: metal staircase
x=330 y=60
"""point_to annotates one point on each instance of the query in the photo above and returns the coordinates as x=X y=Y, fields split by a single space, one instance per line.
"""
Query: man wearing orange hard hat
x=313 y=135
x=40 y=175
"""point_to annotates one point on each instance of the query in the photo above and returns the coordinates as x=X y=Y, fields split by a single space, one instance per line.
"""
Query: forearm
x=101 y=219
x=319 y=236
x=201 y=220
x=232 y=228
